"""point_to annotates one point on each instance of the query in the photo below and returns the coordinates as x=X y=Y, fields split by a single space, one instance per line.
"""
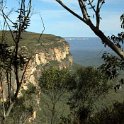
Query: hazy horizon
x=87 y=51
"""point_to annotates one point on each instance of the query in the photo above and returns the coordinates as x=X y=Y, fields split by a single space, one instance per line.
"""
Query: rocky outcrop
x=54 y=53
x=40 y=55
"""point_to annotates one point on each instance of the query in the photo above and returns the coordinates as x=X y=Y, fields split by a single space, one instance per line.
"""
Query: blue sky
x=59 y=22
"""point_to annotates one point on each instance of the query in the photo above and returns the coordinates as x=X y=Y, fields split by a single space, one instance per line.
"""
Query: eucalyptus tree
x=88 y=85
x=95 y=6
x=11 y=61
x=54 y=83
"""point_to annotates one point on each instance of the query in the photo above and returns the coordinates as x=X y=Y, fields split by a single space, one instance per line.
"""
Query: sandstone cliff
x=47 y=53
x=41 y=53
x=54 y=52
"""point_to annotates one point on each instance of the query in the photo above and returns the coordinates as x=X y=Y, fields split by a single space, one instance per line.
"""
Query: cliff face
x=53 y=53
x=49 y=51
x=40 y=54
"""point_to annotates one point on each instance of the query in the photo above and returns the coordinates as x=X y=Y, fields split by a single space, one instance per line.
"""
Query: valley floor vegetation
x=72 y=97
x=69 y=96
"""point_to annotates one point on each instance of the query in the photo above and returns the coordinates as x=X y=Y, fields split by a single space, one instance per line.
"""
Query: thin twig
x=22 y=77
x=69 y=10
x=42 y=30
x=5 y=18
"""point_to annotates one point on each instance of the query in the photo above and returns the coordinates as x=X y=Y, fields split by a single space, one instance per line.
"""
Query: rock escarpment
x=40 y=54
x=50 y=52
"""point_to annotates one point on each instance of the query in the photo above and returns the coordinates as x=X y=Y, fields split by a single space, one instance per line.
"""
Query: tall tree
x=11 y=61
x=95 y=6
x=54 y=83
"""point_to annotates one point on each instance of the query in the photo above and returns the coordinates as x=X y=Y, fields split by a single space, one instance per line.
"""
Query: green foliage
x=86 y=86
x=89 y=84
x=111 y=115
x=30 y=40
x=29 y=96
x=122 y=21
x=54 y=80
x=5 y=56
x=54 y=83
x=20 y=113
x=113 y=64
x=81 y=87
x=24 y=106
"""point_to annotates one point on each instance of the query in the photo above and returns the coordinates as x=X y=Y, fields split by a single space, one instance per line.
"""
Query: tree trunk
x=53 y=114
x=106 y=40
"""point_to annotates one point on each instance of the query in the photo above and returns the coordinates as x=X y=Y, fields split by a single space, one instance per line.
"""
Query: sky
x=59 y=22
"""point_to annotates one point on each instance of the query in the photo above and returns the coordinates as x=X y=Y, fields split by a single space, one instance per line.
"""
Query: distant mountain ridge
x=86 y=51
x=80 y=38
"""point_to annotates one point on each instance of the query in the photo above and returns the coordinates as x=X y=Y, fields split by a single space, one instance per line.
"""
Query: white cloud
x=62 y=23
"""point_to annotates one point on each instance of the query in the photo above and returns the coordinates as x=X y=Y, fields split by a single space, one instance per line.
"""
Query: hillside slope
x=49 y=51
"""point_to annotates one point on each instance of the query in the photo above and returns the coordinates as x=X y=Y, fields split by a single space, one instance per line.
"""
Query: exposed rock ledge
x=49 y=53
x=52 y=53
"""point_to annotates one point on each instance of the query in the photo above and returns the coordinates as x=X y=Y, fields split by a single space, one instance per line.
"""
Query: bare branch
x=95 y=29
x=106 y=40
x=5 y=19
x=91 y=5
x=84 y=10
x=98 y=8
x=21 y=81
x=25 y=68
x=43 y=28
x=71 y=11
x=21 y=24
